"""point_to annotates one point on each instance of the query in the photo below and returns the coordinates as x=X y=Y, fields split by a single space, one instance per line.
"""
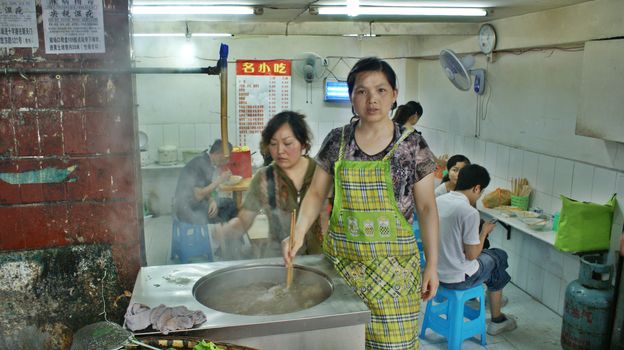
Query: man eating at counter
x=463 y=263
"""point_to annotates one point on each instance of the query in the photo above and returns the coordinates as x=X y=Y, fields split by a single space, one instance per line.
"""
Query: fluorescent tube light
x=211 y=34
x=353 y=7
x=359 y=35
x=192 y=10
x=157 y=34
x=180 y=34
x=405 y=11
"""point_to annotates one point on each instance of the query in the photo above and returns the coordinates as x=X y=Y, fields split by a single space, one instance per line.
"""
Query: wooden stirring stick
x=291 y=242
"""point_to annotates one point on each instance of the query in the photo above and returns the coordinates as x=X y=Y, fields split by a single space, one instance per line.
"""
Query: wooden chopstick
x=520 y=186
x=291 y=242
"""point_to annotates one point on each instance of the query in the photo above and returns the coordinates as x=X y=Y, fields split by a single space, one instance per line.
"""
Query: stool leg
x=482 y=316
x=455 y=314
x=209 y=249
x=175 y=239
x=425 y=325
x=183 y=250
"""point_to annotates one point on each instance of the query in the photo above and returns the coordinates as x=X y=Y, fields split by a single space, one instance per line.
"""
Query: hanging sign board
x=73 y=26
x=18 y=24
x=263 y=90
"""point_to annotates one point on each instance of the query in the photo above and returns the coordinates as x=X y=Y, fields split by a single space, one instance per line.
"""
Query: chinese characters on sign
x=73 y=26
x=263 y=89
x=18 y=23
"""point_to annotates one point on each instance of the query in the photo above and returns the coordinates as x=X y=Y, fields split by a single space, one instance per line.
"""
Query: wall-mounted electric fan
x=459 y=71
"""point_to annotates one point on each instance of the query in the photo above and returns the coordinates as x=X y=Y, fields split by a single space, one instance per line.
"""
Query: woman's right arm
x=240 y=224
x=308 y=212
x=251 y=206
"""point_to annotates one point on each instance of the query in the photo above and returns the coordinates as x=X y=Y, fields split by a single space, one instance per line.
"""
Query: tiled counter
x=535 y=265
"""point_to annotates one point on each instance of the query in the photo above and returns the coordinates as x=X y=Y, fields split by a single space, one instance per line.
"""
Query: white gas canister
x=167 y=154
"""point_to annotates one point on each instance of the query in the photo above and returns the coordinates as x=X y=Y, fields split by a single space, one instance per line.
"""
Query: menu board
x=18 y=24
x=263 y=90
x=73 y=26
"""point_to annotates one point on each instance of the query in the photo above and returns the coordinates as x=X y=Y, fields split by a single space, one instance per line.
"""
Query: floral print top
x=412 y=161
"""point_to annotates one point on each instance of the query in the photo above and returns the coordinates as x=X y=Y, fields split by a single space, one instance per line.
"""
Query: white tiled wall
x=549 y=176
x=536 y=266
x=582 y=180
x=201 y=135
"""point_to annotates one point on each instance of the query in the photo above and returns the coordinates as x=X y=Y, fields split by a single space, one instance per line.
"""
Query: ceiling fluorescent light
x=157 y=34
x=192 y=10
x=353 y=7
x=405 y=11
x=359 y=35
x=180 y=34
x=212 y=34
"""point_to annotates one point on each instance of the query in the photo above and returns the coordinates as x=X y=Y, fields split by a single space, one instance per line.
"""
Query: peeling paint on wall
x=22 y=275
x=43 y=176
x=54 y=292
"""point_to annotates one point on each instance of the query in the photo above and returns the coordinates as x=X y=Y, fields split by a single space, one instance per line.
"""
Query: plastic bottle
x=555 y=221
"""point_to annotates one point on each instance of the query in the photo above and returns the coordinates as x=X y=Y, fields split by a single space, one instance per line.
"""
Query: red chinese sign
x=263 y=67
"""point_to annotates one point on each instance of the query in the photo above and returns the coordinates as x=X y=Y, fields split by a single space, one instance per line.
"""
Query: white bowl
x=527 y=214
x=536 y=224
x=233 y=180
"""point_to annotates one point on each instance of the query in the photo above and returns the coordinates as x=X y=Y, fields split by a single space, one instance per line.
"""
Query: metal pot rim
x=247 y=266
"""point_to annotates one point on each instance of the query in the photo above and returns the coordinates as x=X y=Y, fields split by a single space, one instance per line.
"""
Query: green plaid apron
x=373 y=247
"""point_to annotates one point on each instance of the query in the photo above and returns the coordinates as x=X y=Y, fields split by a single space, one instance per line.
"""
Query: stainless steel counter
x=172 y=285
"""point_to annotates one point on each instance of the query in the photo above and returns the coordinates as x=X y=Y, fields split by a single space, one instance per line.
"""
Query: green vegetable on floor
x=204 y=345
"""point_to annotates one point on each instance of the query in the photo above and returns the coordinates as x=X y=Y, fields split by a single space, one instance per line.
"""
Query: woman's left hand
x=289 y=252
x=430 y=284
x=213 y=210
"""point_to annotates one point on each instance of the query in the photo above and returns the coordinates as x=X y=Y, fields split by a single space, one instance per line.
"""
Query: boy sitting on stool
x=463 y=263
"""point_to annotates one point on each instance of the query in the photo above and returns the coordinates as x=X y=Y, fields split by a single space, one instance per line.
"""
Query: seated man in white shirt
x=463 y=263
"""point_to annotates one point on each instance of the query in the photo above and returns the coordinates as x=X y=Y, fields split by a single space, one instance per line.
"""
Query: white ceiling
x=295 y=11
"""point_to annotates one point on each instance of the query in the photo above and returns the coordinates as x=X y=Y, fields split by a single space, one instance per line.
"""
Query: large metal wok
x=335 y=323
x=261 y=290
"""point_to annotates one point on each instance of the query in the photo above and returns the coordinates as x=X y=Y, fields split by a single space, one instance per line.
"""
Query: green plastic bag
x=584 y=226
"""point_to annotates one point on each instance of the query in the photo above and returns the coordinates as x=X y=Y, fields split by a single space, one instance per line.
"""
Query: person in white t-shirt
x=463 y=263
x=453 y=166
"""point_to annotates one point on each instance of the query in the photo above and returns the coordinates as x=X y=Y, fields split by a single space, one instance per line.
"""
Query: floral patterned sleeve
x=328 y=153
x=425 y=161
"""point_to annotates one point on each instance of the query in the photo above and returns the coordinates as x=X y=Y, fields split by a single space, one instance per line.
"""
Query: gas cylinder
x=587 y=308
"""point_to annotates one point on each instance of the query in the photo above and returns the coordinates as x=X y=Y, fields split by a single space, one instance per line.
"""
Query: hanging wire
x=477 y=119
x=487 y=102
x=343 y=59
x=488 y=88
x=102 y=295
x=330 y=70
x=187 y=34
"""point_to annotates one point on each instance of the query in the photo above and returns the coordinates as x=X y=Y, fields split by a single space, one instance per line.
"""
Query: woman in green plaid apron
x=381 y=173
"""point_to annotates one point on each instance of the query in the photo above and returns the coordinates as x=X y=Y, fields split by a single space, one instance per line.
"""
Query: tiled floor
x=158 y=240
x=538 y=326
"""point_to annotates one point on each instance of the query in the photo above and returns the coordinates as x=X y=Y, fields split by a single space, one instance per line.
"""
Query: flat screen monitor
x=336 y=91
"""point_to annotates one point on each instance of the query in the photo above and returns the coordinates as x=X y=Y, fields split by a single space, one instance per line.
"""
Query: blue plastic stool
x=416 y=231
x=188 y=240
x=451 y=304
